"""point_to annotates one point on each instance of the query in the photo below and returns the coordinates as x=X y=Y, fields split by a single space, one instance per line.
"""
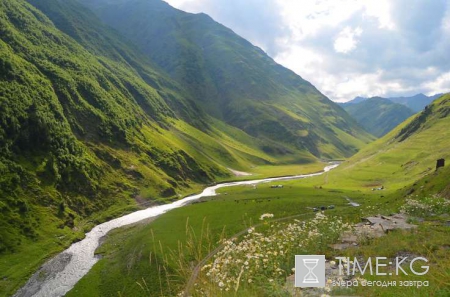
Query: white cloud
x=439 y=85
x=306 y=18
x=381 y=10
x=185 y=5
x=300 y=58
x=346 y=40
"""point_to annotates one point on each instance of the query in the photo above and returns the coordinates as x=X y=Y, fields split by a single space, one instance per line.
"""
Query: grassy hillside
x=377 y=115
x=233 y=80
x=407 y=153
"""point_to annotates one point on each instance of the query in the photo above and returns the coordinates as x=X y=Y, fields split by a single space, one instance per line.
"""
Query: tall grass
x=253 y=262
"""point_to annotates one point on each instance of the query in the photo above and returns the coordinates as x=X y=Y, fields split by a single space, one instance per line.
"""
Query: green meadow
x=132 y=256
x=136 y=249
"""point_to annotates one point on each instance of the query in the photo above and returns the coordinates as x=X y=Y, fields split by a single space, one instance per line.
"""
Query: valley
x=47 y=283
x=240 y=207
x=140 y=143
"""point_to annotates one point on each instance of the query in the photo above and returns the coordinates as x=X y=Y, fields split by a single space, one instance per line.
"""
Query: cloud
x=439 y=85
x=307 y=18
x=347 y=48
x=346 y=40
x=182 y=3
x=381 y=11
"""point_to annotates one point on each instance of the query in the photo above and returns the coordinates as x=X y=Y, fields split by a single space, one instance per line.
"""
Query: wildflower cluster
x=267 y=256
x=426 y=206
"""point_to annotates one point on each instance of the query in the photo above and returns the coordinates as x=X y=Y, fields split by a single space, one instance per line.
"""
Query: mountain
x=416 y=103
x=233 y=80
x=82 y=133
x=91 y=127
x=377 y=115
x=356 y=100
x=404 y=155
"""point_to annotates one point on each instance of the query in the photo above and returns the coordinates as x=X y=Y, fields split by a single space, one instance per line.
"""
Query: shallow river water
x=60 y=274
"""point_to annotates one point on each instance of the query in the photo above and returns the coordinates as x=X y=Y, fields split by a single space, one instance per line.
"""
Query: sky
x=347 y=48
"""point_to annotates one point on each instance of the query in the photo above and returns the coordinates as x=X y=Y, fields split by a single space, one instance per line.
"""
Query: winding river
x=60 y=274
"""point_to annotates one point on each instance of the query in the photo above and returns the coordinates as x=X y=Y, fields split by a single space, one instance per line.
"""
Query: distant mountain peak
x=378 y=115
x=416 y=102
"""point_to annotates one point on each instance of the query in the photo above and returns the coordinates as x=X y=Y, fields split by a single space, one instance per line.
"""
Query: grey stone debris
x=373 y=227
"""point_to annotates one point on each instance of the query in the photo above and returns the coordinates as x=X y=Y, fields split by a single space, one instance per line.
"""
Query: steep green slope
x=84 y=27
x=86 y=133
x=233 y=80
x=404 y=155
x=436 y=183
x=377 y=115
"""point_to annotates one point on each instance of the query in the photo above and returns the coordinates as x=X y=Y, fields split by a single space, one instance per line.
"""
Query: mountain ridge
x=416 y=102
x=234 y=80
x=378 y=115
